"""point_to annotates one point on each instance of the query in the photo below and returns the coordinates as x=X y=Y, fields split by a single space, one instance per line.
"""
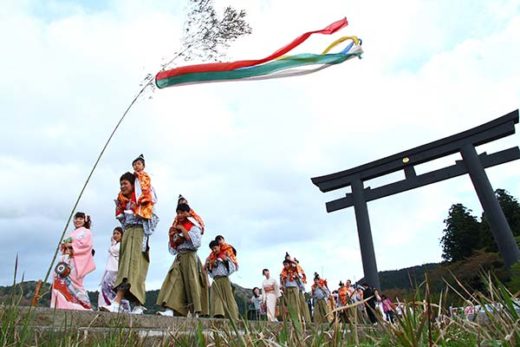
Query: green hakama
x=182 y=289
x=133 y=265
x=304 y=308
x=205 y=291
x=321 y=309
x=292 y=301
x=222 y=299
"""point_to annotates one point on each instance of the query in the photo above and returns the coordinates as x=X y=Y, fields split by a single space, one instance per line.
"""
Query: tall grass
x=423 y=323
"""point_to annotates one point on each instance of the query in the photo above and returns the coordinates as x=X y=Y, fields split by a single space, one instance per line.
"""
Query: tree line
x=464 y=235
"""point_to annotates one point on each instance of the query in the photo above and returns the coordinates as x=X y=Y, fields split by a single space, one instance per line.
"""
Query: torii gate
x=472 y=163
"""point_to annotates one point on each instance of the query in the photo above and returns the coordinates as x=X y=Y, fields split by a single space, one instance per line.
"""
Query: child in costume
x=321 y=294
x=226 y=250
x=193 y=214
x=107 y=293
x=297 y=269
x=177 y=238
x=141 y=203
x=145 y=197
x=290 y=283
x=301 y=279
x=289 y=273
x=222 y=303
x=225 y=253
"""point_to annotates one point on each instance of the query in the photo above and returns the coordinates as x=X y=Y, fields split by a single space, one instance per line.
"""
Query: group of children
x=77 y=250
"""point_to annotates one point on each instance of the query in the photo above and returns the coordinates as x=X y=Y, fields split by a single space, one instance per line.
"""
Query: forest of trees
x=464 y=234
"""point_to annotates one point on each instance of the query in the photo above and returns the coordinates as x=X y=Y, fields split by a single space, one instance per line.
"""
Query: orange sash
x=122 y=203
x=198 y=219
x=175 y=241
x=227 y=250
x=300 y=270
x=288 y=274
x=269 y=289
x=145 y=202
x=343 y=295
x=321 y=283
x=211 y=261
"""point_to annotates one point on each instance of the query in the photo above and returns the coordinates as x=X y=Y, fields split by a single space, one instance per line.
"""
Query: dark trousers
x=390 y=316
x=371 y=311
x=343 y=316
x=253 y=315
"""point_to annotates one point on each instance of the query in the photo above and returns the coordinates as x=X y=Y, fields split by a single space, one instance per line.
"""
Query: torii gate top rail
x=493 y=130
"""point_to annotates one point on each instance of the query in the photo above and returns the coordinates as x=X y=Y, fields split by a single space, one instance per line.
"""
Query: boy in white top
x=107 y=293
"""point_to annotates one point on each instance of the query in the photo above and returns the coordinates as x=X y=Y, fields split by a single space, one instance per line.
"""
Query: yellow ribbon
x=340 y=40
x=332 y=45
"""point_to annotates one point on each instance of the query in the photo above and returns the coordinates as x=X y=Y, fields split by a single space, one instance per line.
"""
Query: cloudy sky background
x=243 y=153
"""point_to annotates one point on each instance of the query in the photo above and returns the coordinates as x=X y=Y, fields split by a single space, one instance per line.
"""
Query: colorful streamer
x=273 y=66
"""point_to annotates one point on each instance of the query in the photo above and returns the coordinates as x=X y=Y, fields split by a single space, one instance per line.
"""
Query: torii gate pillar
x=494 y=214
x=366 y=244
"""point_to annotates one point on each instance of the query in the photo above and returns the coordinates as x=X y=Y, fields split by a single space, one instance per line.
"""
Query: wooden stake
x=36 y=297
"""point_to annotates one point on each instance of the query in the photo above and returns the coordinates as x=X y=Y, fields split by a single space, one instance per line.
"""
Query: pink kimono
x=68 y=292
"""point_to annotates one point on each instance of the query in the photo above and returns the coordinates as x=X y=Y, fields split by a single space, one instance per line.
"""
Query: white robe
x=270 y=293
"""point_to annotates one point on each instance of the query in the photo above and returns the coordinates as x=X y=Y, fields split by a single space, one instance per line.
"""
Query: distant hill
x=406 y=278
x=468 y=272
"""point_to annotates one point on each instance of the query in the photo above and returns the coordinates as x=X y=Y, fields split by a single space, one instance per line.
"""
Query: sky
x=243 y=153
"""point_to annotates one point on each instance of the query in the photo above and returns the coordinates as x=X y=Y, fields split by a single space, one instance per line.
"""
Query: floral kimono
x=68 y=291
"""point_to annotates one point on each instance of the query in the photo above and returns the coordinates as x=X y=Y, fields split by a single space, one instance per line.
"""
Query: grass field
x=423 y=323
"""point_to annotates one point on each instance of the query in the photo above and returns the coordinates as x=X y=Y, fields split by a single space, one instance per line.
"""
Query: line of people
x=286 y=300
x=186 y=289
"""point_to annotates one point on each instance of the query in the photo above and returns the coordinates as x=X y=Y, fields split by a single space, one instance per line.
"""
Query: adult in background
x=388 y=308
x=350 y=288
x=134 y=257
x=270 y=294
x=182 y=290
x=77 y=261
x=359 y=310
x=370 y=294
